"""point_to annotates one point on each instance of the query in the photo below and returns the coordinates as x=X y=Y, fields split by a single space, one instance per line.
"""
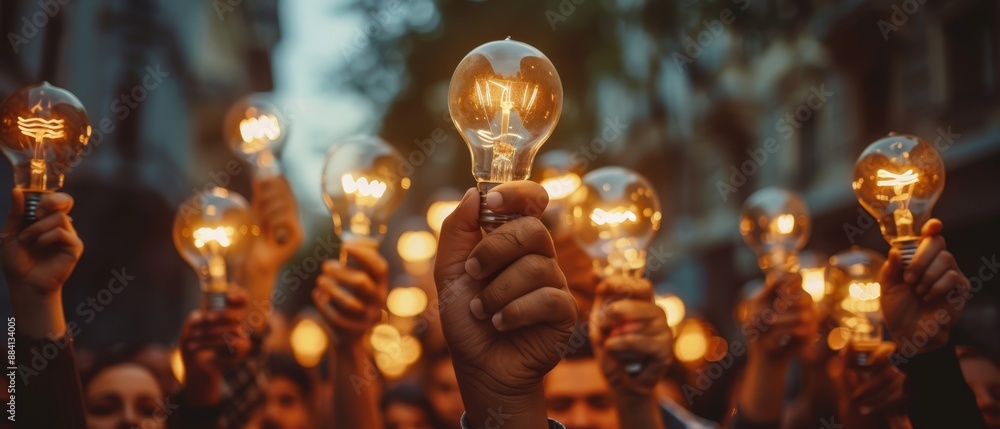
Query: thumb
x=460 y=234
x=16 y=212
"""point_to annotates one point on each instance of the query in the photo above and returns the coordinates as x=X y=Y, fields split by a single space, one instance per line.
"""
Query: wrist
x=40 y=314
x=203 y=388
x=489 y=403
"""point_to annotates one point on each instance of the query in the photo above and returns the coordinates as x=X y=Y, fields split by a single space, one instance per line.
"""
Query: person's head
x=122 y=393
x=286 y=401
x=982 y=374
x=406 y=408
x=578 y=268
x=442 y=389
x=578 y=395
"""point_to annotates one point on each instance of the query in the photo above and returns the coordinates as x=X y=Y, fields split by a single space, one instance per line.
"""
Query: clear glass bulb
x=855 y=295
x=613 y=216
x=898 y=179
x=43 y=130
x=212 y=232
x=505 y=99
x=559 y=176
x=775 y=224
x=363 y=184
x=256 y=130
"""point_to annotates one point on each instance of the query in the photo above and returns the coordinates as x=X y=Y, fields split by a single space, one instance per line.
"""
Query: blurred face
x=405 y=416
x=579 y=397
x=984 y=378
x=578 y=269
x=124 y=396
x=284 y=406
x=442 y=391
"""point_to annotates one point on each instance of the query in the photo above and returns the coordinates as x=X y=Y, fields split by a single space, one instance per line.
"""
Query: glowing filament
x=220 y=235
x=863 y=298
x=362 y=186
x=814 y=282
x=562 y=186
x=784 y=224
x=891 y=179
x=258 y=131
x=614 y=217
x=39 y=128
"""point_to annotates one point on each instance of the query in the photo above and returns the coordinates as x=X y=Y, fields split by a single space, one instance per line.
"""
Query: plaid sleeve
x=243 y=387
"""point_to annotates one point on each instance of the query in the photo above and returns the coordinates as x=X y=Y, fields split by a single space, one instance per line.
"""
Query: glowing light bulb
x=505 y=99
x=406 y=301
x=855 y=294
x=177 y=364
x=898 y=179
x=256 y=130
x=363 y=184
x=673 y=306
x=613 y=215
x=437 y=212
x=212 y=232
x=692 y=342
x=416 y=246
x=309 y=342
x=814 y=282
x=43 y=130
x=560 y=176
x=775 y=224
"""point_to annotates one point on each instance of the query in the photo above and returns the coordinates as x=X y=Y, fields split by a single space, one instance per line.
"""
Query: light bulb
x=855 y=295
x=309 y=342
x=406 y=301
x=438 y=212
x=692 y=341
x=256 y=130
x=212 y=232
x=505 y=99
x=363 y=184
x=775 y=224
x=416 y=246
x=44 y=130
x=812 y=267
x=898 y=179
x=673 y=306
x=560 y=177
x=613 y=215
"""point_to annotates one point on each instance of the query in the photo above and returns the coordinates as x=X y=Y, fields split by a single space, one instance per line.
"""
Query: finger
x=943 y=262
x=520 y=197
x=891 y=274
x=508 y=243
x=45 y=224
x=337 y=319
x=546 y=305
x=927 y=251
x=370 y=259
x=340 y=298
x=16 y=212
x=67 y=241
x=950 y=281
x=460 y=233
x=356 y=281
x=54 y=202
x=523 y=276
x=637 y=315
x=932 y=227
x=621 y=287
x=647 y=346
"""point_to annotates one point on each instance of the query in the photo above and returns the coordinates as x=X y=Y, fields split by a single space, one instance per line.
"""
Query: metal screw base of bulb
x=907 y=250
x=488 y=219
x=31 y=201
x=214 y=301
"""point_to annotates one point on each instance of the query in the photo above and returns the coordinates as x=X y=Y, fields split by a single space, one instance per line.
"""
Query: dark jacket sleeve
x=939 y=397
x=48 y=393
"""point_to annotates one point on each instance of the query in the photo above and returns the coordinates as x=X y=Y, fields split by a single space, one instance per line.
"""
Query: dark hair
x=115 y=357
x=284 y=365
x=406 y=394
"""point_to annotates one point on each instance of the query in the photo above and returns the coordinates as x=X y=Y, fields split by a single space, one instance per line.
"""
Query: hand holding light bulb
x=212 y=232
x=43 y=130
x=505 y=99
x=854 y=274
x=898 y=179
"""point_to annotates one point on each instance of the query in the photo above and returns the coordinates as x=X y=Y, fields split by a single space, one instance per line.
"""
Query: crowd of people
x=532 y=338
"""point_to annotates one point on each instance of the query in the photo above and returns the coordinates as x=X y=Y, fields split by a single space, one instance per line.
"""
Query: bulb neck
x=31 y=201
x=907 y=249
x=213 y=301
x=488 y=219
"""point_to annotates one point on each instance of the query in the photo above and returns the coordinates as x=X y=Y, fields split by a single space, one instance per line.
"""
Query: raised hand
x=781 y=319
x=504 y=306
x=875 y=390
x=277 y=214
x=350 y=299
x=210 y=343
x=923 y=302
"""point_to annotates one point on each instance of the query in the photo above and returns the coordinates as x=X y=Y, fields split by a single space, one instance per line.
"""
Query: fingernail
x=494 y=200
x=865 y=411
x=476 y=306
x=472 y=267
x=498 y=321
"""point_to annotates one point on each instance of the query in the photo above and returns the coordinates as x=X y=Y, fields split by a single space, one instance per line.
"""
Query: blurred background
x=685 y=92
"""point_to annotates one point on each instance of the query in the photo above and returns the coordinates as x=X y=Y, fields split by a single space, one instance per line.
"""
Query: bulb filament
x=902 y=188
x=366 y=195
x=496 y=93
x=40 y=129
x=258 y=131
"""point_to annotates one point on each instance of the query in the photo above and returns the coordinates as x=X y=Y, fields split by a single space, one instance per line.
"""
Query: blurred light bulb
x=692 y=342
x=385 y=338
x=505 y=99
x=673 y=306
x=416 y=246
x=256 y=130
x=854 y=274
x=177 y=364
x=613 y=215
x=406 y=301
x=438 y=212
x=44 y=130
x=898 y=179
x=363 y=184
x=309 y=342
x=212 y=232
x=560 y=176
x=775 y=224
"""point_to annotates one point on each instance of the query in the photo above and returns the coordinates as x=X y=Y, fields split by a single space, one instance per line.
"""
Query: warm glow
x=891 y=179
x=615 y=216
x=309 y=341
x=177 y=364
x=409 y=349
x=416 y=246
x=692 y=342
x=385 y=337
x=863 y=298
x=38 y=128
x=717 y=349
x=390 y=366
x=258 y=131
x=220 y=235
x=814 y=282
x=674 y=307
x=784 y=224
x=362 y=186
x=406 y=301
x=838 y=338
x=437 y=213
x=560 y=187
x=865 y=291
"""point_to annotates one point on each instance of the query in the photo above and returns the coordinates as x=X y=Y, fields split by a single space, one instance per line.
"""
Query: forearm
x=48 y=385
x=39 y=316
x=761 y=397
x=487 y=406
x=357 y=388
x=260 y=281
x=936 y=383
x=639 y=412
